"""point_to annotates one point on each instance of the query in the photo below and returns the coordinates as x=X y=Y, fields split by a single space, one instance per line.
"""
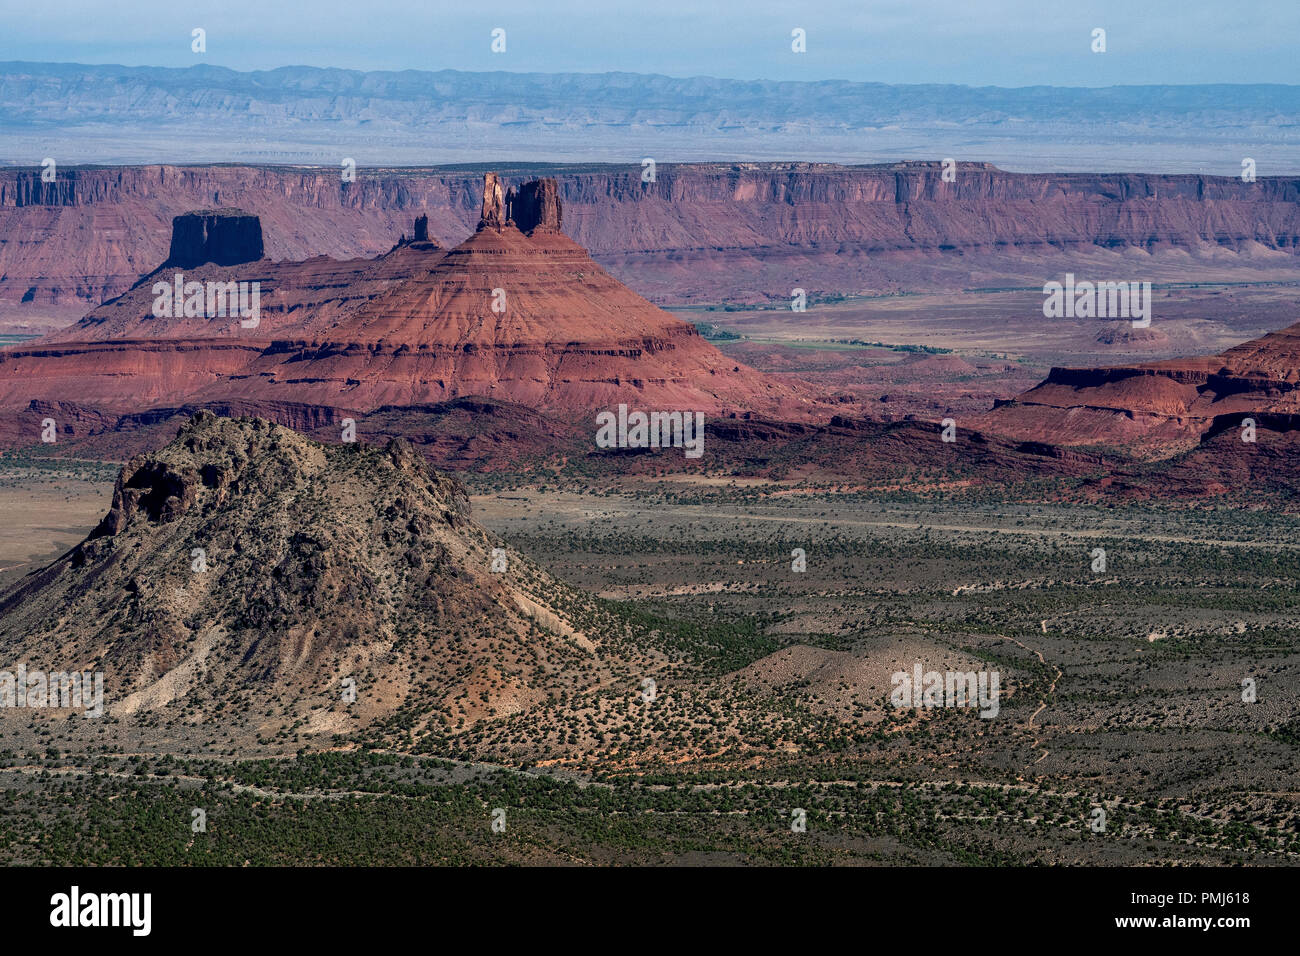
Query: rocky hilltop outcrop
x=248 y=571
x=532 y=206
x=419 y=238
x=493 y=215
x=225 y=237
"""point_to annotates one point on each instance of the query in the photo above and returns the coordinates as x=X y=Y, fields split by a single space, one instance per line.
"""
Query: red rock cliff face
x=92 y=233
x=536 y=205
x=493 y=214
x=521 y=317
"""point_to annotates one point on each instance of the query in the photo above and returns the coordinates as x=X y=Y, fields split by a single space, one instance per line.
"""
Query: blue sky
x=975 y=42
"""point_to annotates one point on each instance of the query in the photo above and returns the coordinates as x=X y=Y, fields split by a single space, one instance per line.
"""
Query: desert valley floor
x=364 y=589
x=1122 y=689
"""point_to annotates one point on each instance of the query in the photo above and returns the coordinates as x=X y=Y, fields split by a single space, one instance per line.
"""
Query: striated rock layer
x=699 y=233
x=1162 y=407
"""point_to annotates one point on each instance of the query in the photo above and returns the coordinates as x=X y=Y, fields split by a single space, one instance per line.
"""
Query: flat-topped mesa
x=535 y=206
x=226 y=237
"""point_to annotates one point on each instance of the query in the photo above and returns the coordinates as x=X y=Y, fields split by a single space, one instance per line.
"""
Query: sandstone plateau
x=498 y=349
x=704 y=233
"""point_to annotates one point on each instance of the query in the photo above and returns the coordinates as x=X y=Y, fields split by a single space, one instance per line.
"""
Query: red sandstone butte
x=415 y=326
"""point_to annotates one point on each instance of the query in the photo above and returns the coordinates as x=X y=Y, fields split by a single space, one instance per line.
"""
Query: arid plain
x=1122 y=683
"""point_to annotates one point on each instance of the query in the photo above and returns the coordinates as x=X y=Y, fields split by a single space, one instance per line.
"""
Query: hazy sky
x=976 y=42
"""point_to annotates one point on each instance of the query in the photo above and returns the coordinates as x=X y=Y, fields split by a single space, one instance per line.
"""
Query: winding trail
x=1042 y=705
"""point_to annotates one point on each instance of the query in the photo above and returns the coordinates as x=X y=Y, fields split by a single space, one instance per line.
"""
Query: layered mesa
x=1161 y=407
x=517 y=312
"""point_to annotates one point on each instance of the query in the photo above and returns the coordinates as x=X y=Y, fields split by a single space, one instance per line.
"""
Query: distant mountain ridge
x=431 y=93
x=300 y=113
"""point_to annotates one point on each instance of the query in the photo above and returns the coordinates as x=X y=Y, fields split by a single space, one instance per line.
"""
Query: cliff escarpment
x=89 y=235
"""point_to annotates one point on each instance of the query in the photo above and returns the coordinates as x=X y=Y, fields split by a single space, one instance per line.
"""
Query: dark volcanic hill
x=320 y=563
